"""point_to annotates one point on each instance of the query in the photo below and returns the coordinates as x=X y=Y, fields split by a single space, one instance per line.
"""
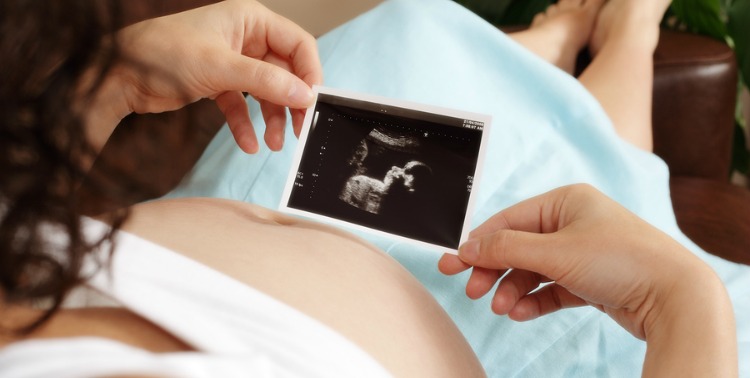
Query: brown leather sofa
x=695 y=88
x=694 y=105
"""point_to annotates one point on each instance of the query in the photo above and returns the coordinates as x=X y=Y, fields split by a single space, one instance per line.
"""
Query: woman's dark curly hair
x=47 y=47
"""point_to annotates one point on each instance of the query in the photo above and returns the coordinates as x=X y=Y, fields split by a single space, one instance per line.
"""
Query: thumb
x=512 y=249
x=266 y=81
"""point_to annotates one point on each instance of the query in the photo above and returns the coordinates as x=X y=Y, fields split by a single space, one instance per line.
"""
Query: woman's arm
x=591 y=251
x=218 y=52
x=693 y=333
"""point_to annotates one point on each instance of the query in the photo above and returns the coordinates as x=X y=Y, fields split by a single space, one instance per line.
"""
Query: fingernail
x=300 y=95
x=469 y=252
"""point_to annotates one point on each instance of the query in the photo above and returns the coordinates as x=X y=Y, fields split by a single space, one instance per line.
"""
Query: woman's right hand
x=590 y=250
x=217 y=52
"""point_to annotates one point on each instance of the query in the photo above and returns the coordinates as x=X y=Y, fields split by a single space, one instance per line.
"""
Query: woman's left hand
x=219 y=52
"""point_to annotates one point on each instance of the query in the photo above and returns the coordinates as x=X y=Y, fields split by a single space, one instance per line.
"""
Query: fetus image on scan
x=368 y=194
x=372 y=192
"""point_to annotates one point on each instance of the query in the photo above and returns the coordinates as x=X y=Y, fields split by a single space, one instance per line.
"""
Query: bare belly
x=324 y=272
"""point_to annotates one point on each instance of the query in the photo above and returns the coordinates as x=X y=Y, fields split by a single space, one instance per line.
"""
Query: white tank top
x=237 y=331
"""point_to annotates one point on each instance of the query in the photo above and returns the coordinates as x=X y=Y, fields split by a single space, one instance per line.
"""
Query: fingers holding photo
x=220 y=51
x=280 y=65
x=571 y=247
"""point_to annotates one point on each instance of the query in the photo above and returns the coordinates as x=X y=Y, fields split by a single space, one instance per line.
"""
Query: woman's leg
x=621 y=74
x=622 y=36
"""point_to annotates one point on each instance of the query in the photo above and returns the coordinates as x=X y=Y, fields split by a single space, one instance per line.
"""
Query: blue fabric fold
x=547 y=131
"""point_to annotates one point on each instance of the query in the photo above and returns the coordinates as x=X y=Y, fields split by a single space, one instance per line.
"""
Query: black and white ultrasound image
x=400 y=171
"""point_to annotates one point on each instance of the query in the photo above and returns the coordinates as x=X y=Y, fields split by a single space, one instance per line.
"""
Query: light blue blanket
x=547 y=132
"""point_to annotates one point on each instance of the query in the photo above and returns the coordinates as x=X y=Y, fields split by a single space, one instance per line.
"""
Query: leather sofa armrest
x=695 y=90
x=714 y=215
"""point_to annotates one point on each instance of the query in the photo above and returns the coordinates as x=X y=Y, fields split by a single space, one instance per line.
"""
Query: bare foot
x=561 y=32
x=636 y=20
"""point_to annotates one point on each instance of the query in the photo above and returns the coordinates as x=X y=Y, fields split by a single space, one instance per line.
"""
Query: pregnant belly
x=326 y=273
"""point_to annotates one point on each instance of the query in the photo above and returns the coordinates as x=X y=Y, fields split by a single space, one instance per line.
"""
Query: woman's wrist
x=692 y=332
x=107 y=107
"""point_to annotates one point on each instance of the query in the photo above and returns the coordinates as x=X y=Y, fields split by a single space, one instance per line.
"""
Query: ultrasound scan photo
x=397 y=170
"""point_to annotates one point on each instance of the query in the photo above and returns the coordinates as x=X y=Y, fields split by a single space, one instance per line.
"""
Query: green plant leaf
x=702 y=16
x=739 y=30
x=490 y=10
x=522 y=12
